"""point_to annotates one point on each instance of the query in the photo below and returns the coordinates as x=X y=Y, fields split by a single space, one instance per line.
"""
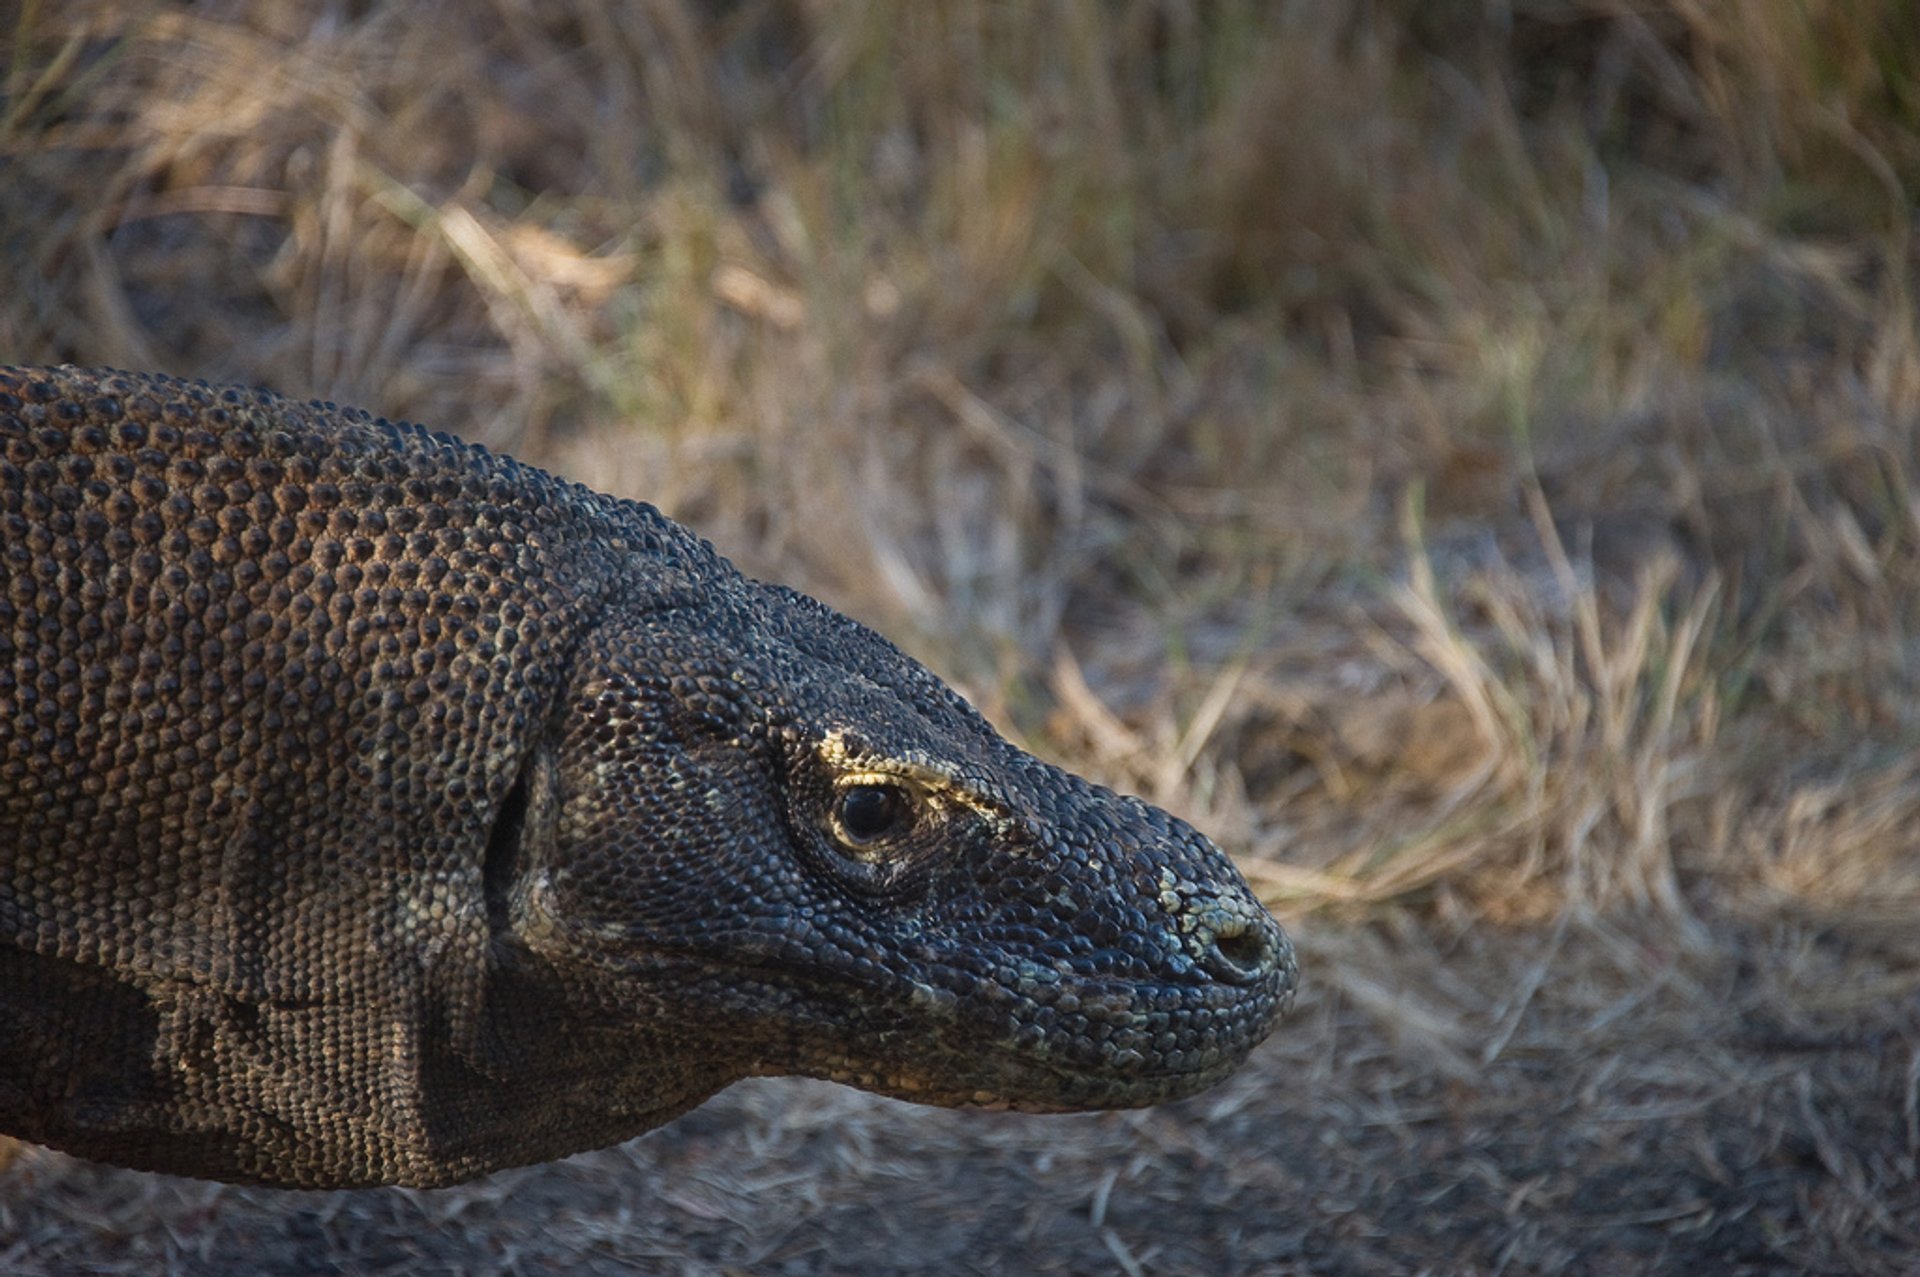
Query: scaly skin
x=375 y=809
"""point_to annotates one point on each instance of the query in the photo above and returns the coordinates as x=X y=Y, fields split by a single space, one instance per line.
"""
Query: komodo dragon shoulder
x=376 y=809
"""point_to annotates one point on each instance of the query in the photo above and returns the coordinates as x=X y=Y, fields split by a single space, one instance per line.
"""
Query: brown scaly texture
x=375 y=809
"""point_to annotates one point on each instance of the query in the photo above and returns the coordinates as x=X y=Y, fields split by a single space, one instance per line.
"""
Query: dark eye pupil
x=870 y=811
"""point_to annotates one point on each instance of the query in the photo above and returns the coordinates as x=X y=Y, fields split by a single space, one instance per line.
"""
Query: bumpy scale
x=375 y=809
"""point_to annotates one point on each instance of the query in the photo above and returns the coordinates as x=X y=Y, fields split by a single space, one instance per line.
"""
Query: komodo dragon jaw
x=375 y=809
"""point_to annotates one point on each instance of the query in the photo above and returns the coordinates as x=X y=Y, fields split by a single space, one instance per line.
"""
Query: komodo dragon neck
x=375 y=809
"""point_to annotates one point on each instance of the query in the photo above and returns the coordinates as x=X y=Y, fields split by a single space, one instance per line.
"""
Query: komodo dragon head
x=375 y=809
x=790 y=832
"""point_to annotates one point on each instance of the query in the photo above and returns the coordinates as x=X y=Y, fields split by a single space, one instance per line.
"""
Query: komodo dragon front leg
x=374 y=809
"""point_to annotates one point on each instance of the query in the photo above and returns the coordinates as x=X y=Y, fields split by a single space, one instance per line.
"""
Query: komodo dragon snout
x=374 y=809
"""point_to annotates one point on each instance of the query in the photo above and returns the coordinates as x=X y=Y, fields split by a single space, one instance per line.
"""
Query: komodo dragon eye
x=869 y=812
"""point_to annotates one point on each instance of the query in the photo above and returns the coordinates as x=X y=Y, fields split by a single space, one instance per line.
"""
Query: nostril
x=1241 y=955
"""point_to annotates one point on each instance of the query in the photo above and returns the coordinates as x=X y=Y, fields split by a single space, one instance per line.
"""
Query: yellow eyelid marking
x=938 y=787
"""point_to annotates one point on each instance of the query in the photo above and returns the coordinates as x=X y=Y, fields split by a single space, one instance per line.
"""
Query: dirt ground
x=1745 y=1145
x=1464 y=457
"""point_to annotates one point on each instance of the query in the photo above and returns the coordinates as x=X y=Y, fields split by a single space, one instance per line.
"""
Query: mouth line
x=999 y=1052
x=1266 y=999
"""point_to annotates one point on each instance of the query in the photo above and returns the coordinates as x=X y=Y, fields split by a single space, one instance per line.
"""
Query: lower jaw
x=1054 y=1092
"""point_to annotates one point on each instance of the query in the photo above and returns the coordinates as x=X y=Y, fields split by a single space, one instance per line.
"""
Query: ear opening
x=525 y=813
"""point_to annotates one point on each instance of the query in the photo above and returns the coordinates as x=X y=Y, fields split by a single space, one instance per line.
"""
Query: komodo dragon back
x=375 y=809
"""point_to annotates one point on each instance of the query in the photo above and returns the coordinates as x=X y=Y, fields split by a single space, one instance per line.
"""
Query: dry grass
x=1464 y=456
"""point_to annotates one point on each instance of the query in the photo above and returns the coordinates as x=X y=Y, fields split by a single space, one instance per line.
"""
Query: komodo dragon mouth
x=377 y=809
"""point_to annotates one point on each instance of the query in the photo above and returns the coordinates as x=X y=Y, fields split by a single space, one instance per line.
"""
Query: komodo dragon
x=375 y=809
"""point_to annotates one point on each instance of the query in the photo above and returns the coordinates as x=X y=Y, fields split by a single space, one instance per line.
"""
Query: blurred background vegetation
x=1461 y=453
